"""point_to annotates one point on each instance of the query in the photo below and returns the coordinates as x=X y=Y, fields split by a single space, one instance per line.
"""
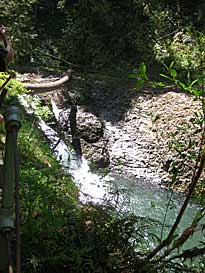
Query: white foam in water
x=145 y=201
x=92 y=188
x=56 y=110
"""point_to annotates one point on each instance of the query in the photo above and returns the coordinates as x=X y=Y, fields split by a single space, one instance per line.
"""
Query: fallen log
x=40 y=88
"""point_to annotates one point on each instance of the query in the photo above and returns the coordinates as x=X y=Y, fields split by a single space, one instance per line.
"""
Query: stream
x=145 y=200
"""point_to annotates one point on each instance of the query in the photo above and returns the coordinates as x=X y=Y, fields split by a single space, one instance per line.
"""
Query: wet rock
x=90 y=128
x=138 y=129
x=167 y=162
x=97 y=154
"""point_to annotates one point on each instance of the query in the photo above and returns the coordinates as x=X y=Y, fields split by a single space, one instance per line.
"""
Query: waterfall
x=144 y=199
x=91 y=186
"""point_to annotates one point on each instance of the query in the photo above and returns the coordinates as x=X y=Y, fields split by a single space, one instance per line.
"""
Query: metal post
x=12 y=123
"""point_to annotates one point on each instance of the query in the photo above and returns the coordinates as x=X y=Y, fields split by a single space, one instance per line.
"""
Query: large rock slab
x=89 y=126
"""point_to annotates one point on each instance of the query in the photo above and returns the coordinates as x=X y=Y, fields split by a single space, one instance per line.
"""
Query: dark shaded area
x=74 y=133
x=94 y=34
x=109 y=97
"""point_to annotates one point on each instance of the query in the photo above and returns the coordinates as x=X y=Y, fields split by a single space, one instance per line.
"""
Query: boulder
x=90 y=127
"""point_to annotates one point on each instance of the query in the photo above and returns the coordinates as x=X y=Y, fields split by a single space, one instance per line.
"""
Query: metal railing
x=9 y=203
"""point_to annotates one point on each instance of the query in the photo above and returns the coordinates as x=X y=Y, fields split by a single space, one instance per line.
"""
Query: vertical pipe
x=12 y=124
x=4 y=258
x=17 y=206
x=9 y=173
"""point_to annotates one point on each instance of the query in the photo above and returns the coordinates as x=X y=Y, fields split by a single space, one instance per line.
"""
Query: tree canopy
x=99 y=33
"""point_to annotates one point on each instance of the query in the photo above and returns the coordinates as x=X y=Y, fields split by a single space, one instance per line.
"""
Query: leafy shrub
x=57 y=232
x=18 y=17
x=46 y=192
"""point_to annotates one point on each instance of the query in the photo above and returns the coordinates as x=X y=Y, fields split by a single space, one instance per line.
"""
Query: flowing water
x=145 y=199
x=162 y=206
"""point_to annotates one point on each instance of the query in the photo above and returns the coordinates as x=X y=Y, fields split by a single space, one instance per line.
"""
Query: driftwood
x=39 y=88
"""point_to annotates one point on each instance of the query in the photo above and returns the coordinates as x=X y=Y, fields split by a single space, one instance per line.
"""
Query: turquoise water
x=147 y=201
x=151 y=202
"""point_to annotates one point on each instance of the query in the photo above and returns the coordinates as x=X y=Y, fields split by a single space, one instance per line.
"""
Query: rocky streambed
x=132 y=132
x=143 y=134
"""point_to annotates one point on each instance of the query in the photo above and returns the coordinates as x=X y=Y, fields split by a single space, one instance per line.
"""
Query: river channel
x=146 y=200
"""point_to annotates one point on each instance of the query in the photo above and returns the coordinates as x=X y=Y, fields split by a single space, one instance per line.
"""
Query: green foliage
x=140 y=75
x=188 y=140
x=18 y=17
x=105 y=33
x=188 y=86
x=57 y=232
x=96 y=34
x=14 y=87
x=102 y=33
x=41 y=108
x=187 y=49
x=46 y=192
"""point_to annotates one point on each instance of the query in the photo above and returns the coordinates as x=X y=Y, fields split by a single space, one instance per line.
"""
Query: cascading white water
x=146 y=200
x=91 y=186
